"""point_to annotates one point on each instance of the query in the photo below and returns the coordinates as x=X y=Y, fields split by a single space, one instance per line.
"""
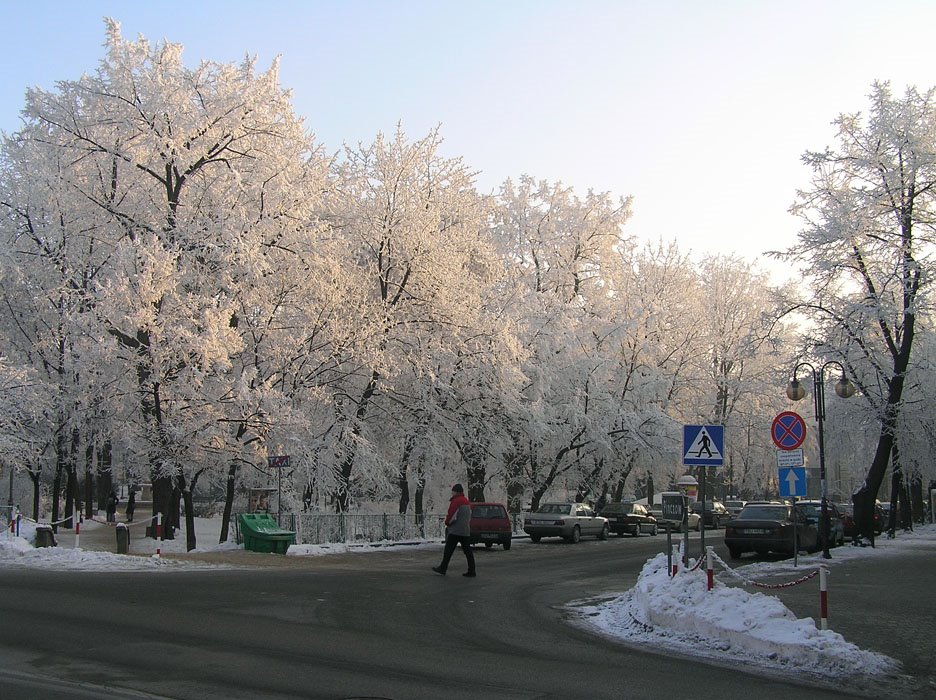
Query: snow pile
x=317 y=550
x=679 y=614
x=21 y=551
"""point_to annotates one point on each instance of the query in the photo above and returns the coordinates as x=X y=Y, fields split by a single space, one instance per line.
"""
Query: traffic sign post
x=279 y=463
x=703 y=446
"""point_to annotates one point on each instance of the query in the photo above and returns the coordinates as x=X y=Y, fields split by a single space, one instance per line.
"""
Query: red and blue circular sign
x=788 y=430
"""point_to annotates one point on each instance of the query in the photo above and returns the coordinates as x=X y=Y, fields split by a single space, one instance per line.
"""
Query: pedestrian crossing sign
x=704 y=445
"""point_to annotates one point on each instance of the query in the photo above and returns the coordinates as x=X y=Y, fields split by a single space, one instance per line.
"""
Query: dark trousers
x=451 y=542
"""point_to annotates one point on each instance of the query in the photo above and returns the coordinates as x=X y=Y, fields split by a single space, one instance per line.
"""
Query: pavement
x=882 y=602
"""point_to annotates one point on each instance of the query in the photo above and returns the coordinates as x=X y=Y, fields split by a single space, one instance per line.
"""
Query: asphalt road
x=382 y=625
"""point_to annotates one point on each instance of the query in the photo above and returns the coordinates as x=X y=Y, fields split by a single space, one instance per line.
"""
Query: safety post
x=158 y=534
x=77 y=532
x=823 y=597
x=710 y=567
x=674 y=566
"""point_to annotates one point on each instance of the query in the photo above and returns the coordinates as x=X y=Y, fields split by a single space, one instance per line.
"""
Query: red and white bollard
x=158 y=534
x=675 y=560
x=823 y=597
x=77 y=532
x=710 y=567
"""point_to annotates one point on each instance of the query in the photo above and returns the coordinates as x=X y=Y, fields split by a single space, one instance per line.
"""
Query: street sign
x=790 y=458
x=704 y=445
x=788 y=430
x=279 y=462
x=673 y=504
x=792 y=482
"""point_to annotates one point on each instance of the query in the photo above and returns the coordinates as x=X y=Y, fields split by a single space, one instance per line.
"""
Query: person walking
x=457 y=531
x=131 y=505
x=111 y=507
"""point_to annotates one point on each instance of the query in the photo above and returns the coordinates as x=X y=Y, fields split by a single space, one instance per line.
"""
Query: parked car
x=631 y=518
x=570 y=521
x=695 y=523
x=813 y=510
x=769 y=528
x=490 y=524
x=734 y=507
x=715 y=513
x=848 y=520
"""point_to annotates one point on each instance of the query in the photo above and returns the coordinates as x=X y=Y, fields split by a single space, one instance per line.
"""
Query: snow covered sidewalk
x=732 y=626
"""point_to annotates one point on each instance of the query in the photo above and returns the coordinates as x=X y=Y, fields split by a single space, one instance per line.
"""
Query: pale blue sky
x=698 y=109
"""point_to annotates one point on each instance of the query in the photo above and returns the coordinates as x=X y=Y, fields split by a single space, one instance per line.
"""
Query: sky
x=699 y=110
x=734 y=623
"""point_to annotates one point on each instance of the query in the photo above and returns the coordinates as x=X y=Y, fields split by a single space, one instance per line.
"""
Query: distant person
x=457 y=531
x=111 y=507
x=131 y=505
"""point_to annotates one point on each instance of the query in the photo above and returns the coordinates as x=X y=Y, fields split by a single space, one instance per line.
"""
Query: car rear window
x=488 y=512
x=558 y=508
x=764 y=513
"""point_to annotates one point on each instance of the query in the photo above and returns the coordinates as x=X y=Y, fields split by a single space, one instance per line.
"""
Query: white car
x=571 y=521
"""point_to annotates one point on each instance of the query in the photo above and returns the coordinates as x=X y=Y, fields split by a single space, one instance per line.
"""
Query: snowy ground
x=678 y=615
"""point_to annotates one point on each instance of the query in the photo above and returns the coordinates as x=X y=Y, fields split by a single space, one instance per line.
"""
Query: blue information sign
x=792 y=481
x=704 y=445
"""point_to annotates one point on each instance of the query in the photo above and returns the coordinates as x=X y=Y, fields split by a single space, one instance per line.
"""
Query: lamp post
x=844 y=388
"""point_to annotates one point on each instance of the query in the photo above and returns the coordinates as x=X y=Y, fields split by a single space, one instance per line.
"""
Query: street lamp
x=844 y=388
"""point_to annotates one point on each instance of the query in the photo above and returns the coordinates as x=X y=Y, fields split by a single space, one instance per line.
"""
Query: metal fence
x=351 y=528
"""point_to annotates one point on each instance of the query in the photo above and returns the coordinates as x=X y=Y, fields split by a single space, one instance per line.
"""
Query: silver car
x=570 y=521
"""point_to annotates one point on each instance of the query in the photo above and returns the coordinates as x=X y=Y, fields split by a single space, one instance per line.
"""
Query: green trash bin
x=123 y=539
x=44 y=536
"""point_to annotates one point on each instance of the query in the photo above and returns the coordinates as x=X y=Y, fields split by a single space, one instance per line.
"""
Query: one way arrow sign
x=792 y=482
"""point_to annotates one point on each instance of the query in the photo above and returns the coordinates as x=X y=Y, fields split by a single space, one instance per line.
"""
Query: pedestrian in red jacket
x=457 y=531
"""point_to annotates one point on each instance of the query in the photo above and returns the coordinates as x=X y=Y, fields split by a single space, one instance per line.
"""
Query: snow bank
x=680 y=614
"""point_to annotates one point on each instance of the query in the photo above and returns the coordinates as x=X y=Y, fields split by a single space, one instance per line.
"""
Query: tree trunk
x=228 y=502
x=56 y=493
x=105 y=480
x=89 y=481
x=343 y=495
x=162 y=495
x=896 y=484
x=36 y=478
x=916 y=498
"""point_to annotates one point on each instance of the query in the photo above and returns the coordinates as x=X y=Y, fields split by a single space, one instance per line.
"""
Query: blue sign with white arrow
x=792 y=481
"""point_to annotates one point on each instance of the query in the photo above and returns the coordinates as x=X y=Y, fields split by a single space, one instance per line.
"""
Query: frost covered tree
x=866 y=252
x=562 y=249
x=182 y=182
x=415 y=235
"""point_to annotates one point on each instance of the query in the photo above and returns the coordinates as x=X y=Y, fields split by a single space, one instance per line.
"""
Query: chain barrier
x=757 y=584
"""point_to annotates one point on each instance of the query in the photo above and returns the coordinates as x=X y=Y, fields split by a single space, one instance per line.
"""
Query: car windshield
x=764 y=513
x=488 y=512
x=557 y=508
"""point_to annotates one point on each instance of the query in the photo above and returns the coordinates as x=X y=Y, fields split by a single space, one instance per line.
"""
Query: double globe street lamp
x=844 y=388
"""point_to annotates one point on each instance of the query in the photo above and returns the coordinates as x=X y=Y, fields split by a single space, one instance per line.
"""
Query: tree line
x=192 y=285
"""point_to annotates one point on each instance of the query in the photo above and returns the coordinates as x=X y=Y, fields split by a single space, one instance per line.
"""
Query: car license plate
x=755 y=531
x=488 y=535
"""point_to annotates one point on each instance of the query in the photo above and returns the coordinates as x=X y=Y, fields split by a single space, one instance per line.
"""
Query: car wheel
x=653 y=531
x=534 y=538
x=488 y=545
x=603 y=535
x=506 y=544
x=734 y=552
x=576 y=535
x=698 y=525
